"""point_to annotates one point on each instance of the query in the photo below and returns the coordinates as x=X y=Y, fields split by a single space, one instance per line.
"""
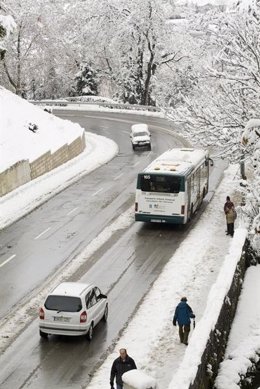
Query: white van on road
x=140 y=136
x=72 y=308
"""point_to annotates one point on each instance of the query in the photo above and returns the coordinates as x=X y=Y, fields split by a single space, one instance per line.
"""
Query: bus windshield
x=160 y=183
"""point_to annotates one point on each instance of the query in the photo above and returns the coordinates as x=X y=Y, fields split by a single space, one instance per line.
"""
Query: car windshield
x=142 y=133
x=63 y=303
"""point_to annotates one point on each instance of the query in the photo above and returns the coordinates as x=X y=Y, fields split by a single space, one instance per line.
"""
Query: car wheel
x=90 y=332
x=104 y=318
x=43 y=335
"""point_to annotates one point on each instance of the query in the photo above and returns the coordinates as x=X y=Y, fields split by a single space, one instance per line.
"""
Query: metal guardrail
x=65 y=103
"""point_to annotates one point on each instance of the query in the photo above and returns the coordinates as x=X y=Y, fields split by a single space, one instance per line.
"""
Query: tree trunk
x=18 y=73
x=146 y=98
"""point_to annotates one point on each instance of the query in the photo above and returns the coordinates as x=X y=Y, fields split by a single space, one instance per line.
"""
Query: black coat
x=119 y=367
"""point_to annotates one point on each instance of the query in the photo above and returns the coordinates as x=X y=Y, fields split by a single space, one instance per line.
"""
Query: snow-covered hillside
x=18 y=141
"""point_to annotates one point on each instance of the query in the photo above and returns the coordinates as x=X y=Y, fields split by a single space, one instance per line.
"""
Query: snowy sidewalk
x=150 y=337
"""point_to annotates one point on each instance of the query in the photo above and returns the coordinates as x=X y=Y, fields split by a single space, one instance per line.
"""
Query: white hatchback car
x=72 y=308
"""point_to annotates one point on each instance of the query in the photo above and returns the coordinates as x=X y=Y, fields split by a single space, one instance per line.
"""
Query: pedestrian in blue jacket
x=183 y=314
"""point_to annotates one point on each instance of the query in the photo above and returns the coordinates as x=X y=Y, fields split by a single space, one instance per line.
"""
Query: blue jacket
x=183 y=314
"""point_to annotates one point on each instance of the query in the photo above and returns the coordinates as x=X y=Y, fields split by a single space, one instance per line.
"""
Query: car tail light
x=83 y=317
x=182 y=209
x=136 y=207
x=41 y=314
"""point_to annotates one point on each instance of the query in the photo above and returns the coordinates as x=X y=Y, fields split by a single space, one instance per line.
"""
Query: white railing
x=67 y=102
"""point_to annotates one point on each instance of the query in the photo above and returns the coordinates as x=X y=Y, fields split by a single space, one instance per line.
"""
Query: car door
x=92 y=306
x=101 y=303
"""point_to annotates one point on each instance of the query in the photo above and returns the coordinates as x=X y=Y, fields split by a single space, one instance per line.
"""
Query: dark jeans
x=230 y=229
x=184 y=333
x=118 y=386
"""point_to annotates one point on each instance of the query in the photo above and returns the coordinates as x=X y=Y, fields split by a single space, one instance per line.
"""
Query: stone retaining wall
x=23 y=171
x=60 y=156
x=77 y=146
x=41 y=165
x=215 y=350
x=16 y=175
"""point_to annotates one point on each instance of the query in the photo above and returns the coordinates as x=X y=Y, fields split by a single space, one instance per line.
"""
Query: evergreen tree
x=86 y=81
x=7 y=25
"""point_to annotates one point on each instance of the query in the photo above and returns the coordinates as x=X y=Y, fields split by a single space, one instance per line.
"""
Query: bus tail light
x=182 y=209
x=136 y=207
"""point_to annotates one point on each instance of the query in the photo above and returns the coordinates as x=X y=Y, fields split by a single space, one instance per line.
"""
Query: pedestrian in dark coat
x=121 y=365
x=183 y=314
x=229 y=210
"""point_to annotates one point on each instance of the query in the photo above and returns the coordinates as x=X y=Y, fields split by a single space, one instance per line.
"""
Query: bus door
x=188 y=183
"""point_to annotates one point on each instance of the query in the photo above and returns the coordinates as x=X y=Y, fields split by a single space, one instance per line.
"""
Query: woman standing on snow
x=229 y=210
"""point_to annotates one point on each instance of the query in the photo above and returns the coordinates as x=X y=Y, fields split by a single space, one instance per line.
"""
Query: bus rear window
x=160 y=183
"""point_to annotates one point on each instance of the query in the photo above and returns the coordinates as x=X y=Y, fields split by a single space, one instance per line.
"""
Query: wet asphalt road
x=62 y=227
x=125 y=267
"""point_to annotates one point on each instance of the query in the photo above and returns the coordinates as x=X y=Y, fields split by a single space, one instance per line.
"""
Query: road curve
x=125 y=266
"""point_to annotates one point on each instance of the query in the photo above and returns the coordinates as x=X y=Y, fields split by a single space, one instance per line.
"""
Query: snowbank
x=18 y=142
x=137 y=379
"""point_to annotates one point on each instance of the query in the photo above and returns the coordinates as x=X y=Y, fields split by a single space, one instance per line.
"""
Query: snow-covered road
x=150 y=337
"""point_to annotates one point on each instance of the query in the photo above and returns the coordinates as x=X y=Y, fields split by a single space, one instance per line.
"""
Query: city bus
x=173 y=186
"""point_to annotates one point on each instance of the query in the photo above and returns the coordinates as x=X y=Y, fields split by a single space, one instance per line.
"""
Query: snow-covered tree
x=22 y=53
x=7 y=25
x=39 y=48
x=128 y=42
x=226 y=95
x=86 y=81
x=251 y=142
